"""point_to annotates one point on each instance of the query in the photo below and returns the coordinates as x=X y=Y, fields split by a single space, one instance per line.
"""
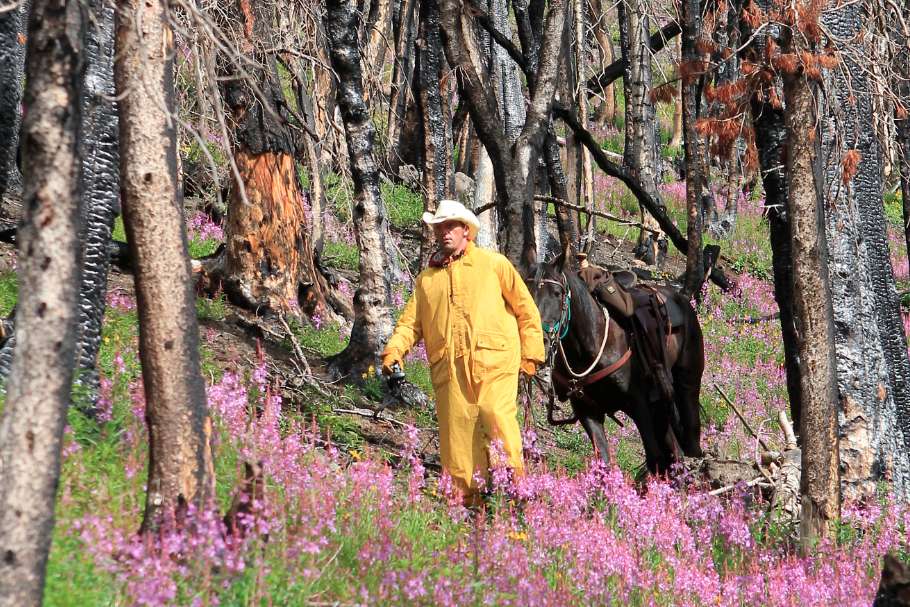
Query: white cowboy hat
x=452 y=210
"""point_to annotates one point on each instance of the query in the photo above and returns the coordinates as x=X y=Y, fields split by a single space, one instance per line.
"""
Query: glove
x=528 y=366
x=388 y=360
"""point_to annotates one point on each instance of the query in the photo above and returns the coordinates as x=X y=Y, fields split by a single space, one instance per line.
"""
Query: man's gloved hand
x=528 y=366
x=388 y=361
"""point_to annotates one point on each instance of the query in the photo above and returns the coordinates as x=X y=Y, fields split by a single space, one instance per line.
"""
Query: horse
x=584 y=343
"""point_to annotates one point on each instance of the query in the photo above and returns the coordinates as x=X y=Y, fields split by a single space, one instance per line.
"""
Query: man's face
x=451 y=236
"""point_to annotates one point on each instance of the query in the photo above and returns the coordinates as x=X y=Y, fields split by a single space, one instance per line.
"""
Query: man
x=480 y=326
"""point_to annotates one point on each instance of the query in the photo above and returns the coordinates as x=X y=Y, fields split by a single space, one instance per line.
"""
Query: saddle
x=650 y=317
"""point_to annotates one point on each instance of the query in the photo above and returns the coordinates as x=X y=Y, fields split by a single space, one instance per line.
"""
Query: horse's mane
x=581 y=294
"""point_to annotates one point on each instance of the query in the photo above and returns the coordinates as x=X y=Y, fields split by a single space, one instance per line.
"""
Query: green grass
x=214 y=308
x=894 y=209
x=9 y=292
x=404 y=206
x=325 y=340
x=341 y=255
x=198 y=248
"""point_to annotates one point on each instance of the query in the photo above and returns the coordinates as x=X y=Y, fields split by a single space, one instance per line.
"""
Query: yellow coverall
x=478 y=322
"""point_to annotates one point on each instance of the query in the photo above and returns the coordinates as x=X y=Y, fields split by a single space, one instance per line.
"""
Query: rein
x=559 y=330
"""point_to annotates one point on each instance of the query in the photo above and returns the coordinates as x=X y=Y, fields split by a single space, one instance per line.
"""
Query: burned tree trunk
x=269 y=257
x=873 y=368
x=640 y=154
x=515 y=165
x=372 y=322
x=12 y=61
x=771 y=139
x=438 y=169
x=694 y=146
x=180 y=458
x=31 y=431
x=820 y=481
x=402 y=70
x=606 y=111
x=98 y=143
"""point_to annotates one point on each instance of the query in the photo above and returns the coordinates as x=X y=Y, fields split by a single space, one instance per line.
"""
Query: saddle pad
x=642 y=294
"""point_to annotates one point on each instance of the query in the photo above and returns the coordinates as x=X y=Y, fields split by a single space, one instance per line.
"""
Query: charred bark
x=696 y=181
x=438 y=169
x=640 y=153
x=269 y=255
x=180 y=467
x=771 y=139
x=402 y=71
x=873 y=368
x=12 y=62
x=515 y=166
x=98 y=148
x=372 y=322
x=31 y=430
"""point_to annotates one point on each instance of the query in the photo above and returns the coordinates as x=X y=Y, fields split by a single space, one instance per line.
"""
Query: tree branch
x=659 y=39
x=481 y=105
x=653 y=206
x=486 y=22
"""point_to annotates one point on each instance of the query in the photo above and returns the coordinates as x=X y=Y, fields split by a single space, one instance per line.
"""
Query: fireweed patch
x=331 y=527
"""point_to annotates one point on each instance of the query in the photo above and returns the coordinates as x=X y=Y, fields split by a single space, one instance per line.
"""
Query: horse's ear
x=564 y=260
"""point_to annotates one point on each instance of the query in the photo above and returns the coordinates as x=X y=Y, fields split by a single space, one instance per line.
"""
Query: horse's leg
x=687 y=374
x=687 y=390
x=642 y=416
x=594 y=427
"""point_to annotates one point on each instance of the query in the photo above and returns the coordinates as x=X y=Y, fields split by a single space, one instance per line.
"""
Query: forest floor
x=355 y=512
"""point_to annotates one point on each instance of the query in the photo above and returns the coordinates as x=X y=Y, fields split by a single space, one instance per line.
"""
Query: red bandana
x=441 y=260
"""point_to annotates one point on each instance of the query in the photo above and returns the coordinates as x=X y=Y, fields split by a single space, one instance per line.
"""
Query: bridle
x=558 y=331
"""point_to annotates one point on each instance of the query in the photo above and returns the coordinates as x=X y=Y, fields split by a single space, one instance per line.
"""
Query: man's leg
x=458 y=426
x=499 y=416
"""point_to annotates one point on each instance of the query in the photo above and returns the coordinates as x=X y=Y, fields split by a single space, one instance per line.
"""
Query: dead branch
x=729 y=402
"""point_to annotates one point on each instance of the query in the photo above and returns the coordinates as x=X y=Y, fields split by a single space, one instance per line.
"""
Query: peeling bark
x=372 y=322
x=180 y=467
x=820 y=482
x=31 y=430
x=269 y=260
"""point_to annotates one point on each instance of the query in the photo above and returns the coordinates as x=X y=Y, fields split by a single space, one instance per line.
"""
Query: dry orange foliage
x=849 y=164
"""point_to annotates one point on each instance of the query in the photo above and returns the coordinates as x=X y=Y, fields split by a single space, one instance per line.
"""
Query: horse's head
x=549 y=287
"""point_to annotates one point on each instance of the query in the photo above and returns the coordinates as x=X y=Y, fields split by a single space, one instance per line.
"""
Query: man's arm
x=407 y=333
x=519 y=299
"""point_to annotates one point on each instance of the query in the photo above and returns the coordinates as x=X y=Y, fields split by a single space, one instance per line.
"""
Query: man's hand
x=387 y=363
x=528 y=367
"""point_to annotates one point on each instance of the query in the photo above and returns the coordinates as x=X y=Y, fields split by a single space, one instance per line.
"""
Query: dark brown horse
x=577 y=345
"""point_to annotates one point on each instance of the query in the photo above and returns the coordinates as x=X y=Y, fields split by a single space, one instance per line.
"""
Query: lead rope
x=603 y=345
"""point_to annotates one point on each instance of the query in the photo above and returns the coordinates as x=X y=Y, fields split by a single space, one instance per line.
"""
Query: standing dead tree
x=180 y=467
x=372 y=322
x=38 y=393
x=269 y=261
x=515 y=165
